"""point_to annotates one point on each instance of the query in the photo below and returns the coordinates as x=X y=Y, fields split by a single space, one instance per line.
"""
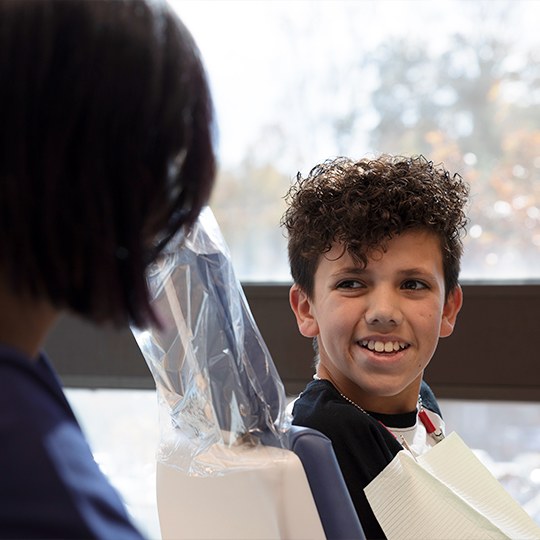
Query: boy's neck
x=404 y=402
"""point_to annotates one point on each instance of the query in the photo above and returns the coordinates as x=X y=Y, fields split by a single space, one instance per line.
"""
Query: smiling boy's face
x=377 y=327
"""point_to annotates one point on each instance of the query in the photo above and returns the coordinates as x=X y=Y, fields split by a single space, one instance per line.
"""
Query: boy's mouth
x=383 y=346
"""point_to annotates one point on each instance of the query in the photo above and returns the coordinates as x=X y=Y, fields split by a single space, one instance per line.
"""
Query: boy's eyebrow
x=415 y=271
x=357 y=270
x=405 y=272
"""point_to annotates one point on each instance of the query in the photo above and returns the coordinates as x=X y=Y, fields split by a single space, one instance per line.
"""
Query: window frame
x=490 y=356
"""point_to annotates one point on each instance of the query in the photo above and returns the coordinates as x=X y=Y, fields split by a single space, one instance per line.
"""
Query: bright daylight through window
x=298 y=82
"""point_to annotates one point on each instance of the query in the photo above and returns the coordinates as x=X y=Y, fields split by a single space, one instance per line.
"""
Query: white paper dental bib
x=447 y=493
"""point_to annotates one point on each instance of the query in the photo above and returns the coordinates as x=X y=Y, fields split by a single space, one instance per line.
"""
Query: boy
x=374 y=250
x=106 y=151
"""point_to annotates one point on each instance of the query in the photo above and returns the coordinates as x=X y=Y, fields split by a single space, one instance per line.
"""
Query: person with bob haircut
x=374 y=250
x=107 y=151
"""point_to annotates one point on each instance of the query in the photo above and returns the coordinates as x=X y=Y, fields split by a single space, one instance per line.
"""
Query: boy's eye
x=413 y=285
x=349 y=284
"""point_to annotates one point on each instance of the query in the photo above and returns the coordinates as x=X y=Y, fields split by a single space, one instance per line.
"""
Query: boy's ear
x=450 y=311
x=301 y=305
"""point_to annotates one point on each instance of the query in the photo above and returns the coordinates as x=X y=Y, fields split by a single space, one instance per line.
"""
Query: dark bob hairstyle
x=106 y=149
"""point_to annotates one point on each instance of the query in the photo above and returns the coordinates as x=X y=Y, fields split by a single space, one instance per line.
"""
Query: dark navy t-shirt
x=361 y=442
x=50 y=485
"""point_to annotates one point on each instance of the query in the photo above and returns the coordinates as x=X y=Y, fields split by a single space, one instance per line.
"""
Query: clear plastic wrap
x=216 y=382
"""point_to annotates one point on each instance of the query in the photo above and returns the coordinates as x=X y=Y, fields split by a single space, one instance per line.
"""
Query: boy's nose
x=383 y=309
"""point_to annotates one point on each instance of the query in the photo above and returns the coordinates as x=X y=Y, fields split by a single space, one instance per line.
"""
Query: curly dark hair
x=362 y=204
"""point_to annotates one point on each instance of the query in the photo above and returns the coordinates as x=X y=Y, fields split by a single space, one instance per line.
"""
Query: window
x=127 y=455
x=298 y=82
x=124 y=445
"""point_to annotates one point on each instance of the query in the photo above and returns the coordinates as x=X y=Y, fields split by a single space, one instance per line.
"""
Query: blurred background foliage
x=458 y=81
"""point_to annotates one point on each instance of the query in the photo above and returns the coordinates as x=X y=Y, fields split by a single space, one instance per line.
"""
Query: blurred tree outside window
x=298 y=82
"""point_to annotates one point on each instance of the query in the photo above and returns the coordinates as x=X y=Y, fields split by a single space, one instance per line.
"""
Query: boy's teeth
x=381 y=346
